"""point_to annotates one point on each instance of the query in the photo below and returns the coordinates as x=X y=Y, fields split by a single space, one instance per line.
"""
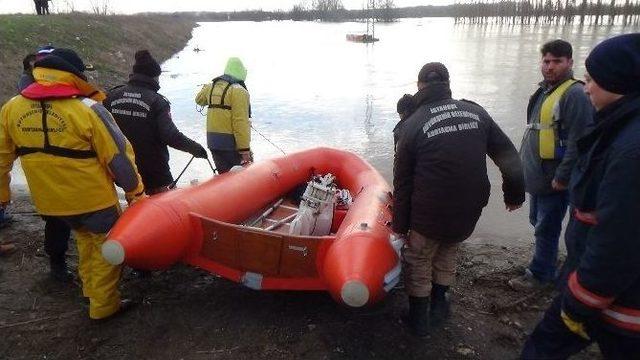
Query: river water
x=311 y=87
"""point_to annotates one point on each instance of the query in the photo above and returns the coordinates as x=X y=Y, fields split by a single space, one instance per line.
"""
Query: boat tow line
x=269 y=141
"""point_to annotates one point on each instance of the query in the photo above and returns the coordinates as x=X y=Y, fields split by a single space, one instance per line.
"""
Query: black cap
x=405 y=104
x=145 y=64
x=63 y=59
x=433 y=72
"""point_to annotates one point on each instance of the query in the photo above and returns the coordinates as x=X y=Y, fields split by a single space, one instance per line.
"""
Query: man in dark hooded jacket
x=441 y=185
x=144 y=116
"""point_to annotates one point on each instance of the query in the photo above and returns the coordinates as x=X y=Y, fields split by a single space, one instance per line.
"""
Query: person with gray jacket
x=557 y=115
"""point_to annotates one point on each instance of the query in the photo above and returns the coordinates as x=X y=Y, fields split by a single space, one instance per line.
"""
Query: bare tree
x=101 y=7
x=386 y=10
x=70 y=5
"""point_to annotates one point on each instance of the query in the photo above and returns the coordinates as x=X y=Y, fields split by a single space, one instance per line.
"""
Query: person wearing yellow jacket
x=229 y=110
x=72 y=152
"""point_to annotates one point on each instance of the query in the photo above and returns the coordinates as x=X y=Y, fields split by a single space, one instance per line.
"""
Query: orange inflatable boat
x=240 y=225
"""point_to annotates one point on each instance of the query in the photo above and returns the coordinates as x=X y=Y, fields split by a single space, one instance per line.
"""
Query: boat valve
x=302 y=249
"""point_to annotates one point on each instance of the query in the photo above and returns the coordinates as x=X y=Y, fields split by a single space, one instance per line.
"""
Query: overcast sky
x=133 y=6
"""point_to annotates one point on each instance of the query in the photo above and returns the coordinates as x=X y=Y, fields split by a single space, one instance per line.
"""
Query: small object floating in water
x=363 y=38
x=256 y=227
x=197 y=49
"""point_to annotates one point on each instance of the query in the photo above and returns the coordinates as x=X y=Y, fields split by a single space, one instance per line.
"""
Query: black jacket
x=603 y=235
x=440 y=171
x=144 y=116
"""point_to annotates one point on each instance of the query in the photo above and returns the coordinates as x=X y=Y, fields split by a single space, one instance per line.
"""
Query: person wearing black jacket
x=600 y=298
x=405 y=108
x=441 y=186
x=144 y=116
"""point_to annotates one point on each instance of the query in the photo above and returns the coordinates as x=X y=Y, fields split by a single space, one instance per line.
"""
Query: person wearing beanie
x=405 y=107
x=557 y=115
x=144 y=116
x=440 y=187
x=600 y=298
x=72 y=157
x=228 y=117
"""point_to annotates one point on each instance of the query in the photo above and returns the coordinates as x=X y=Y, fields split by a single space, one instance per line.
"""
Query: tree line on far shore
x=596 y=12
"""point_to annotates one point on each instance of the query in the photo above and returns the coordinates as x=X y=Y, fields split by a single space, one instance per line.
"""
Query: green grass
x=107 y=42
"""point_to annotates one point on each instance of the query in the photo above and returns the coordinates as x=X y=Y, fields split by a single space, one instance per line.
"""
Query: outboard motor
x=315 y=213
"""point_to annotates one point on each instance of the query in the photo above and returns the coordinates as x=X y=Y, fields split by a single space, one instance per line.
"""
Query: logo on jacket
x=55 y=122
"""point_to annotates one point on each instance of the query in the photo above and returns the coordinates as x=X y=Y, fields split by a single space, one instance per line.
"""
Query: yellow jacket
x=86 y=152
x=228 y=126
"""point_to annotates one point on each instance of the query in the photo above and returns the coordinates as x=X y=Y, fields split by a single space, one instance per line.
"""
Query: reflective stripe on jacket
x=603 y=234
x=228 y=126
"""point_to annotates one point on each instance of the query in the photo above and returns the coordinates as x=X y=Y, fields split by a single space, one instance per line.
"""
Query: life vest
x=551 y=138
x=230 y=81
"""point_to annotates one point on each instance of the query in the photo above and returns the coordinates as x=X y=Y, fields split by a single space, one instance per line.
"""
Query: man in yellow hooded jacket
x=72 y=152
x=228 y=126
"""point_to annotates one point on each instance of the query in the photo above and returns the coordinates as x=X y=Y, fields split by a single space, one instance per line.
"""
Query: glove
x=246 y=157
x=132 y=199
x=574 y=326
x=200 y=152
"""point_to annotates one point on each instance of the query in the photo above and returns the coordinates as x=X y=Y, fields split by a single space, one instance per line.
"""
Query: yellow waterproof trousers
x=99 y=278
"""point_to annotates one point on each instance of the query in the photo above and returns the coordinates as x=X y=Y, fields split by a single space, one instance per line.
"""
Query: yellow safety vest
x=550 y=146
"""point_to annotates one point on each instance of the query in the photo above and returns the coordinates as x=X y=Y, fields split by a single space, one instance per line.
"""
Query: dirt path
x=187 y=313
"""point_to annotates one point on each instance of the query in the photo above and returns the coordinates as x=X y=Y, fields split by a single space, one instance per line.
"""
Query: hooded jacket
x=70 y=147
x=228 y=124
x=440 y=172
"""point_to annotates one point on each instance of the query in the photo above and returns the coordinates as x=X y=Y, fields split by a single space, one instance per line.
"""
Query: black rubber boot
x=440 y=307
x=418 y=319
x=59 y=271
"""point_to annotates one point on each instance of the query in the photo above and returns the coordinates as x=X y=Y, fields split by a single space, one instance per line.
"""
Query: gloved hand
x=246 y=157
x=575 y=327
x=132 y=199
x=200 y=152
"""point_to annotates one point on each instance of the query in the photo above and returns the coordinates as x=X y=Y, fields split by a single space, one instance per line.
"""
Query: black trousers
x=56 y=239
x=551 y=339
x=225 y=159
x=38 y=7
